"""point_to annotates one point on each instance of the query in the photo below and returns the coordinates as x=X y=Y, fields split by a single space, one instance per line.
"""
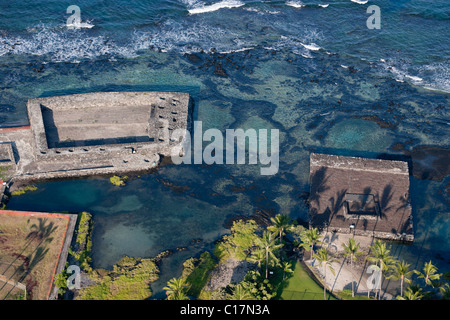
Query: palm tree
x=412 y=293
x=429 y=273
x=352 y=252
x=176 y=289
x=325 y=259
x=281 y=224
x=267 y=243
x=445 y=290
x=241 y=293
x=287 y=268
x=401 y=272
x=381 y=254
x=309 y=238
x=257 y=256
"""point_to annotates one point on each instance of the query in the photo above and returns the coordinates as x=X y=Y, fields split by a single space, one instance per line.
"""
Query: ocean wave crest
x=196 y=7
x=60 y=44
x=433 y=76
x=295 y=3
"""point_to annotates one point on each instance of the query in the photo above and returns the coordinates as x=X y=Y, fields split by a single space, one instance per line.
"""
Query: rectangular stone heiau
x=95 y=133
x=371 y=195
x=103 y=119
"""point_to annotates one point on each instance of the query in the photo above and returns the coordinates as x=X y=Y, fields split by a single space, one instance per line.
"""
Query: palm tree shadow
x=35 y=257
x=404 y=224
x=285 y=282
x=384 y=200
x=336 y=205
x=43 y=230
x=318 y=185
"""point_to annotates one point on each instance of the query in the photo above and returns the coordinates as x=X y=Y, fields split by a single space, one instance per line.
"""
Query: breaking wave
x=196 y=7
x=295 y=3
x=434 y=76
x=61 y=44
x=360 y=1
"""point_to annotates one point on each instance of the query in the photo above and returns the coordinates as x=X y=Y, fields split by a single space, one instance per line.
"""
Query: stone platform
x=94 y=133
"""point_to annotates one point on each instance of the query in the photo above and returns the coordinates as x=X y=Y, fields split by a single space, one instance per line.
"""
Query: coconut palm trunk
x=267 y=243
x=380 y=254
x=325 y=260
x=352 y=252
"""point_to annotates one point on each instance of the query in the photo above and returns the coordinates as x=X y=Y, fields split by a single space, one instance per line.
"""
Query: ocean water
x=311 y=69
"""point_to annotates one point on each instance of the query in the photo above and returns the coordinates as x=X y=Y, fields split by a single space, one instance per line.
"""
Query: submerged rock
x=220 y=71
x=381 y=122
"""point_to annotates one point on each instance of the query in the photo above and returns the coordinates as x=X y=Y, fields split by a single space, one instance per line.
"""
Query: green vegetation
x=429 y=274
x=266 y=247
x=238 y=244
x=256 y=287
x=61 y=281
x=275 y=277
x=394 y=269
x=300 y=286
x=130 y=279
x=348 y=294
x=325 y=258
x=23 y=190
x=380 y=255
x=17 y=296
x=309 y=238
x=197 y=271
x=4 y=172
x=281 y=224
x=352 y=252
x=81 y=251
x=400 y=271
x=177 y=288
x=118 y=181
x=412 y=293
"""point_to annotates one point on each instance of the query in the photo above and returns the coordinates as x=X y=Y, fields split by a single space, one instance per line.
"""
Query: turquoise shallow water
x=317 y=74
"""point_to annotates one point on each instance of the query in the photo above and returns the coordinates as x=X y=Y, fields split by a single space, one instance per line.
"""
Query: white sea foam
x=360 y=1
x=434 y=76
x=323 y=5
x=261 y=11
x=194 y=37
x=312 y=46
x=82 y=25
x=402 y=76
x=439 y=78
x=237 y=50
x=61 y=45
x=295 y=3
x=202 y=8
x=414 y=78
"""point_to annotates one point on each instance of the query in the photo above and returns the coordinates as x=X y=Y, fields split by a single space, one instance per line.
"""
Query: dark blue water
x=312 y=72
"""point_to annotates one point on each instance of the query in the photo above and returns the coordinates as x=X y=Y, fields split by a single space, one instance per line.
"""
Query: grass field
x=300 y=286
x=29 y=251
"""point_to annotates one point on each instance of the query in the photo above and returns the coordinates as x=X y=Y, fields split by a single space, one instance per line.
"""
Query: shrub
x=118 y=181
x=23 y=190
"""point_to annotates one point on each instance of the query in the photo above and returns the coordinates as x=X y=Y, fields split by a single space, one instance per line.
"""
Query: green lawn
x=300 y=286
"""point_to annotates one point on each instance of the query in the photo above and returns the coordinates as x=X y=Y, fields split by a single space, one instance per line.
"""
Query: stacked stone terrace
x=98 y=133
x=362 y=196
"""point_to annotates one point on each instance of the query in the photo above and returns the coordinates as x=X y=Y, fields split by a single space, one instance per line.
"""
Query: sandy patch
x=345 y=274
